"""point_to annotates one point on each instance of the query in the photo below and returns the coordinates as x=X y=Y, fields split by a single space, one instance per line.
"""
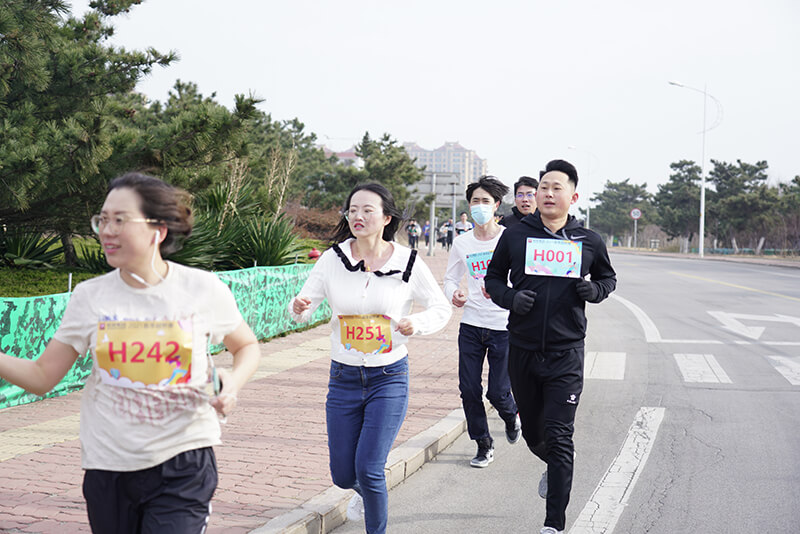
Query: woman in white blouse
x=370 y=282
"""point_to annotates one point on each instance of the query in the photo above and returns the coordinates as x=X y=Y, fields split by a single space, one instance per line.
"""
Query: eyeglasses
x=115 y=224
x=529 y=195
x=353 y=214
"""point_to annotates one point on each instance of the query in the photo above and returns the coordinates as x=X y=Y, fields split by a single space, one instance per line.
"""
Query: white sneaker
x=355 y=508
x=550 y=530
x=543 y=488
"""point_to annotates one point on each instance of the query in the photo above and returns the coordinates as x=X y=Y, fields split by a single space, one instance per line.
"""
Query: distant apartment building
x=348 y=157
x=451 y=157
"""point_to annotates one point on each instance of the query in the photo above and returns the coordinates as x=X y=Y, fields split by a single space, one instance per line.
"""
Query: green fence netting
x=262 y=293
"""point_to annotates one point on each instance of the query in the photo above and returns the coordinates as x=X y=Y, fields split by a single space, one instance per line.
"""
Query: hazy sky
x=517 y=81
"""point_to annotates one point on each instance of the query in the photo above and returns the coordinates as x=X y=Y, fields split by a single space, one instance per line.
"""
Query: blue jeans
x=365 y=408
x=475 y=344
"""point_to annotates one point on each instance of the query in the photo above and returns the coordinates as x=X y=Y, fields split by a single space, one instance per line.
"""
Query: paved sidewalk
x=273 y=464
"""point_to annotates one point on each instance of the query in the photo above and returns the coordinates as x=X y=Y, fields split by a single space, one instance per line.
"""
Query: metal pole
x=701 y=249
x=704 y=92
x=432 y=227
x=454 y=204
x=635 y=232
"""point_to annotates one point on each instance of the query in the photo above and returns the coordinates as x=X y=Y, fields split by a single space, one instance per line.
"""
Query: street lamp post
x=432 y=223
x=705 y=94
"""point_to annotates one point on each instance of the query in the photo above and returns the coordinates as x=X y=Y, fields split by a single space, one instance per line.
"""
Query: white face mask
x=482 y=213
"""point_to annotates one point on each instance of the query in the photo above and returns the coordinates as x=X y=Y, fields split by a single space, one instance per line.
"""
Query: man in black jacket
x=524 y=201
x=548 y=255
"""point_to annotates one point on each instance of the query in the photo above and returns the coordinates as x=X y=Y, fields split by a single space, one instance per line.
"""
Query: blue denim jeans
x=365 y=408
x=474 y=345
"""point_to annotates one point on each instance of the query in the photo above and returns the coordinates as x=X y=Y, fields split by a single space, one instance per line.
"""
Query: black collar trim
x=361 y=266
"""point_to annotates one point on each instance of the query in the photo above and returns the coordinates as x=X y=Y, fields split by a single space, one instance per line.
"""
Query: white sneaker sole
x=489 y=460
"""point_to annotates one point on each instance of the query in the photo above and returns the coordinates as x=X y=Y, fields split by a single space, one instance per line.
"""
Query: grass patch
x=36 y=282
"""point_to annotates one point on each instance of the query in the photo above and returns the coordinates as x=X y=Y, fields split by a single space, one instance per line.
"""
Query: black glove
x=586 y=290
x=523 y=301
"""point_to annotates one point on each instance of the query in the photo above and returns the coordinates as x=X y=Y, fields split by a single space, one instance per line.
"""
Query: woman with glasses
x=524 y=200
x=370 y=282
x=147 y=422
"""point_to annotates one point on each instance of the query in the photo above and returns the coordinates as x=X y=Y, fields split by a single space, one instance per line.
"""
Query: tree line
x=70 y=120
x=742 y=209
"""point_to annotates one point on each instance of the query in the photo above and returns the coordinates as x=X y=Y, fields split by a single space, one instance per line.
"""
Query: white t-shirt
x=471 y=256
x=462 y=227
x=160 y=333
x=359 y=293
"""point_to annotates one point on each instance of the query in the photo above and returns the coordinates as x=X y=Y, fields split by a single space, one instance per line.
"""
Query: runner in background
x=482 y=334
x=524 y=201
x=548 y=254
x=147 y=422
x=447 y=231
x=370 y=282
x=463 y=225
x=412 y=229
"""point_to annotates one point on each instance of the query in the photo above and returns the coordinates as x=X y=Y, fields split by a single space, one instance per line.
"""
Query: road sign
x=636 y=213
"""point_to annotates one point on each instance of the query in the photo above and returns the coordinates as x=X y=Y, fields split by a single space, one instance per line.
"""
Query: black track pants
x=547 y=387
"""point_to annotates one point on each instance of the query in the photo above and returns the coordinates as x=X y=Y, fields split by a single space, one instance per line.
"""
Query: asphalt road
x=689 y=420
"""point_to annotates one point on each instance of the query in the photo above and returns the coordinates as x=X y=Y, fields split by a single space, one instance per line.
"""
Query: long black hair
x=342 y=230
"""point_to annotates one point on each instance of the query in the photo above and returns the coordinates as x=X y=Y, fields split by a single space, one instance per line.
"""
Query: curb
x=326 y=511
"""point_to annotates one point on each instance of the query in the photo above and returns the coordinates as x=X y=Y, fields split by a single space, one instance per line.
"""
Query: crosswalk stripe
x=701 y=368
x=788 y=367
x=605 y=365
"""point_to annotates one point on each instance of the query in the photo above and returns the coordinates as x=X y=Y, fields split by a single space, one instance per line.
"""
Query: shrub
x=19 y=248
x=268 y=242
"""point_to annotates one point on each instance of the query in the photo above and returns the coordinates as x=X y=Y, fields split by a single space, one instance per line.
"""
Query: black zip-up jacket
x=512 y=218
x=557 y=320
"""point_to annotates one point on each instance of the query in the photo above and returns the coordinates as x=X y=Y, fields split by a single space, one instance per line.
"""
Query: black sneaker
x=485 y=453
x=514 y=430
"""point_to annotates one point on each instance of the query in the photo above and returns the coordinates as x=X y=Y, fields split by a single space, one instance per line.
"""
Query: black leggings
x=547 y=387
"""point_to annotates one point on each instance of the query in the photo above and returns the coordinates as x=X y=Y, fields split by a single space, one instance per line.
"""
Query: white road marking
x=734 y=322
x=601 y=513
x=604 y=365
x=651 y=334
x=788 y=367
x=701 y=368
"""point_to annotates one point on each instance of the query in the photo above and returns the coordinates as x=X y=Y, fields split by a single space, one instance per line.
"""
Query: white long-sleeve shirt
x=356 y=292
x=471 y=256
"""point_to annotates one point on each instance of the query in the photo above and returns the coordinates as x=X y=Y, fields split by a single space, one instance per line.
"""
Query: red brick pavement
x=274 y=456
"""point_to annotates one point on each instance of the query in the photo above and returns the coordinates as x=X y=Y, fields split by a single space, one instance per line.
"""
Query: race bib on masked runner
x=553 y=257
x=136 y=354
x=478 y=262
x=368 y=334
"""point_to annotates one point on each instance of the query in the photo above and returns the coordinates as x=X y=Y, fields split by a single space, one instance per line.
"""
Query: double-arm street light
x=716 y=123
